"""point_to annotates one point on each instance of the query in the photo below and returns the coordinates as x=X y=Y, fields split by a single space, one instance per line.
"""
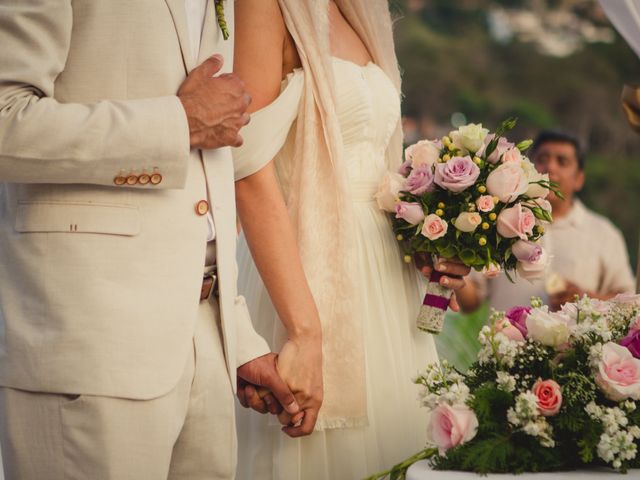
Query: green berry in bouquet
x=474 y=196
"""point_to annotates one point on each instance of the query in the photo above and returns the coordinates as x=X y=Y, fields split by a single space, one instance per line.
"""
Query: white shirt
x=195 y=10
x=586 y=249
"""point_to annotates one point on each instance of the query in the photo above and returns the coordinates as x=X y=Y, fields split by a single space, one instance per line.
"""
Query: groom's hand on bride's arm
x=216 y=106
x=453 y=273
x=274 y=397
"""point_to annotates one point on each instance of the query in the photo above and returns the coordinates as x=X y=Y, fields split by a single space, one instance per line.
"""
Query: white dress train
x=368 y=110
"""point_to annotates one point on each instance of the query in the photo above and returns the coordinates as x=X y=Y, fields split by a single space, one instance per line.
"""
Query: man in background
x=588 y=253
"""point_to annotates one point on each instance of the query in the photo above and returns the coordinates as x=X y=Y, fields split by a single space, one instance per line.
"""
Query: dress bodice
x=368 y=109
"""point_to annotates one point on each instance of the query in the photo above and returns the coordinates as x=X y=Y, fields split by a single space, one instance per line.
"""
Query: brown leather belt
x=209 y=285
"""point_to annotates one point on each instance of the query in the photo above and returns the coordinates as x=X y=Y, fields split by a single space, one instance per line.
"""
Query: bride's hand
x=300 y=365
x=453 y=271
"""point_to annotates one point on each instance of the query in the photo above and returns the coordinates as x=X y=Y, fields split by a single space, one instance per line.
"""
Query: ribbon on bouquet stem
x=435 y=304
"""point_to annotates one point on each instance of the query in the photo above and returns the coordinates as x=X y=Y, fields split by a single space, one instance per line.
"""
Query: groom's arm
x=45 y=141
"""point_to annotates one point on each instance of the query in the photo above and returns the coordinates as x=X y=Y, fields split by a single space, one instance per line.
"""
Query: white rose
x=507 y=182
x=424 y=152
x=551 y=329
x=468 y=221
x=533 y=270
x=388 y=190
x=534 y=190
x=469 y=137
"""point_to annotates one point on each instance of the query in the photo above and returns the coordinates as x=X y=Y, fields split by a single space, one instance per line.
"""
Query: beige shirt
x=586 y=249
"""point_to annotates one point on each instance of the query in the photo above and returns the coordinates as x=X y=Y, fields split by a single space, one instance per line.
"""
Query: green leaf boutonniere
x=221 y=20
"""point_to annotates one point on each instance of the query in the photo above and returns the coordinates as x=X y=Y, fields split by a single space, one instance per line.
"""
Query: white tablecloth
x=421 y=471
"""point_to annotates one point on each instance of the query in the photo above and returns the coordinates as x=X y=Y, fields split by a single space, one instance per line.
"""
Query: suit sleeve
x=250 y=344
x=45 y=141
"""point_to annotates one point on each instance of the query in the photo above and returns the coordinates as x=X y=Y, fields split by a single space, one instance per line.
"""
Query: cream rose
x=469 y=138
x=507 y=182
x=388 y=191
x=618 y=373
x=468 y=221
x=512 y=155
x=534 y=190
x=434 y=227
x=549 y=328
x=425 y=152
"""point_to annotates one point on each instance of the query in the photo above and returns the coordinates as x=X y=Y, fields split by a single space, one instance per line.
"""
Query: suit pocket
x=77 y=217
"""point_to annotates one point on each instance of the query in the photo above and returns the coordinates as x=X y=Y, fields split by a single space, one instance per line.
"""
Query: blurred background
x=551 y=63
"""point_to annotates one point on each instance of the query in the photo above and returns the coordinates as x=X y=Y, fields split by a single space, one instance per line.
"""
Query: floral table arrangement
x=472 y=195
x=550 y=391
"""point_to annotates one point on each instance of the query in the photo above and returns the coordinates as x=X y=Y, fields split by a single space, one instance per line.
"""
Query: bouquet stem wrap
x=435 y=304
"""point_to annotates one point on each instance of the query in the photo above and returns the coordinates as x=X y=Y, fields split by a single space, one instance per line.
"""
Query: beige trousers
x=187 y=434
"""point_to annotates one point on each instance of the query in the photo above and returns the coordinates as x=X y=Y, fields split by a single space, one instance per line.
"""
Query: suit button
x=132 y=179
x=120 y=180
x=202 y=207
x=156 y=178
x=144 y=179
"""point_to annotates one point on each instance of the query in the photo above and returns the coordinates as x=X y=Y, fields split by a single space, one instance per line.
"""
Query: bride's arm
x=260 y=40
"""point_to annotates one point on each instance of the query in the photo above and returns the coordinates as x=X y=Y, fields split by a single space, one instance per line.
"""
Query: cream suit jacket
x=100 y=283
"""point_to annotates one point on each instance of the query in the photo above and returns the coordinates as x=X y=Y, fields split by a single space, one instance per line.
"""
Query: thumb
x=211 y=65
x=283 y=394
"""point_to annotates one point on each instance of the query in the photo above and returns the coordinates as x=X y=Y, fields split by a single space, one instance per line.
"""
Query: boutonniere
x=222 y=23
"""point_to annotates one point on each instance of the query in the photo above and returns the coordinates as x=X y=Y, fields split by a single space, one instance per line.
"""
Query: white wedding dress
x=391 y=293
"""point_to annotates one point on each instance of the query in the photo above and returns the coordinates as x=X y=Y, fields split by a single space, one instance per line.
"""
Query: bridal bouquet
x=474 y=196
x=549 y=391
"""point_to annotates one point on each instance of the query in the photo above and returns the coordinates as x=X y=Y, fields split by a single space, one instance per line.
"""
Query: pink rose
x=450 y=426
x=627 y=299
x=507 y=182
x=505 y=327
x=549 y=396
x=518 y=318
x=502 y=146
x=434 y=227
x=404 y=169
x=425 y=152
x=526 y=251
x=618 y=373
x=485 y=203
x=512 y=155
x=515 y=222
x=533 y=270
x=632 y=342
x=492 y=271
x=420 y=180
x=411 y=212
x=388 y=191
x=457 y=174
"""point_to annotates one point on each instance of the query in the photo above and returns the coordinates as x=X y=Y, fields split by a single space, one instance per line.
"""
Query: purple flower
x=632 y=342
x=457 y=174
x=410 y=212
x=518 y=318
x=420 y=180
x=526 y=251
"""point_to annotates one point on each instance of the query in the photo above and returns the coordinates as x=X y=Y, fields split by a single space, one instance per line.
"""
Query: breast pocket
x=77 y=217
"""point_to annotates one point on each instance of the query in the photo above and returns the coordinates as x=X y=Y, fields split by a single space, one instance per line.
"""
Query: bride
x=326 y=95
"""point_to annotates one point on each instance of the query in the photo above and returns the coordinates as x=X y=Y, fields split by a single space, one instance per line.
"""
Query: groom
x=121 y=326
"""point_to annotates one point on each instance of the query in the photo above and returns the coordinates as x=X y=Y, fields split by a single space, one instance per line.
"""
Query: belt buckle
x=213 y=289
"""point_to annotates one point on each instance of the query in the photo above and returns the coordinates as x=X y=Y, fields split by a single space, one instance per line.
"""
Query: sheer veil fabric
x=314 y=183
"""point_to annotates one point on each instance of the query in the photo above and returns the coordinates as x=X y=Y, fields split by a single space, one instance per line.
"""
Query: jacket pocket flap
x=70 y=217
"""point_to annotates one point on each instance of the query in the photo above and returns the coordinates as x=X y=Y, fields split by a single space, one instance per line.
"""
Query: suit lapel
x=179 y=14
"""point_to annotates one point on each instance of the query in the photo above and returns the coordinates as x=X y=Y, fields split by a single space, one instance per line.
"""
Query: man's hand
x=453 y=271
x=566 y=296
x=276 y=395
x=216 y=107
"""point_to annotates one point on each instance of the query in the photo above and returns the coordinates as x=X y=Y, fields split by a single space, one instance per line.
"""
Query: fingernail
x=444 y=281
x=217 y=56
x=442 y=267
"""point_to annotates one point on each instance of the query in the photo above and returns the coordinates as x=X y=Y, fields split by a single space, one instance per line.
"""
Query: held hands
x=216 y=107
x=300 y=364
x=453 y=271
